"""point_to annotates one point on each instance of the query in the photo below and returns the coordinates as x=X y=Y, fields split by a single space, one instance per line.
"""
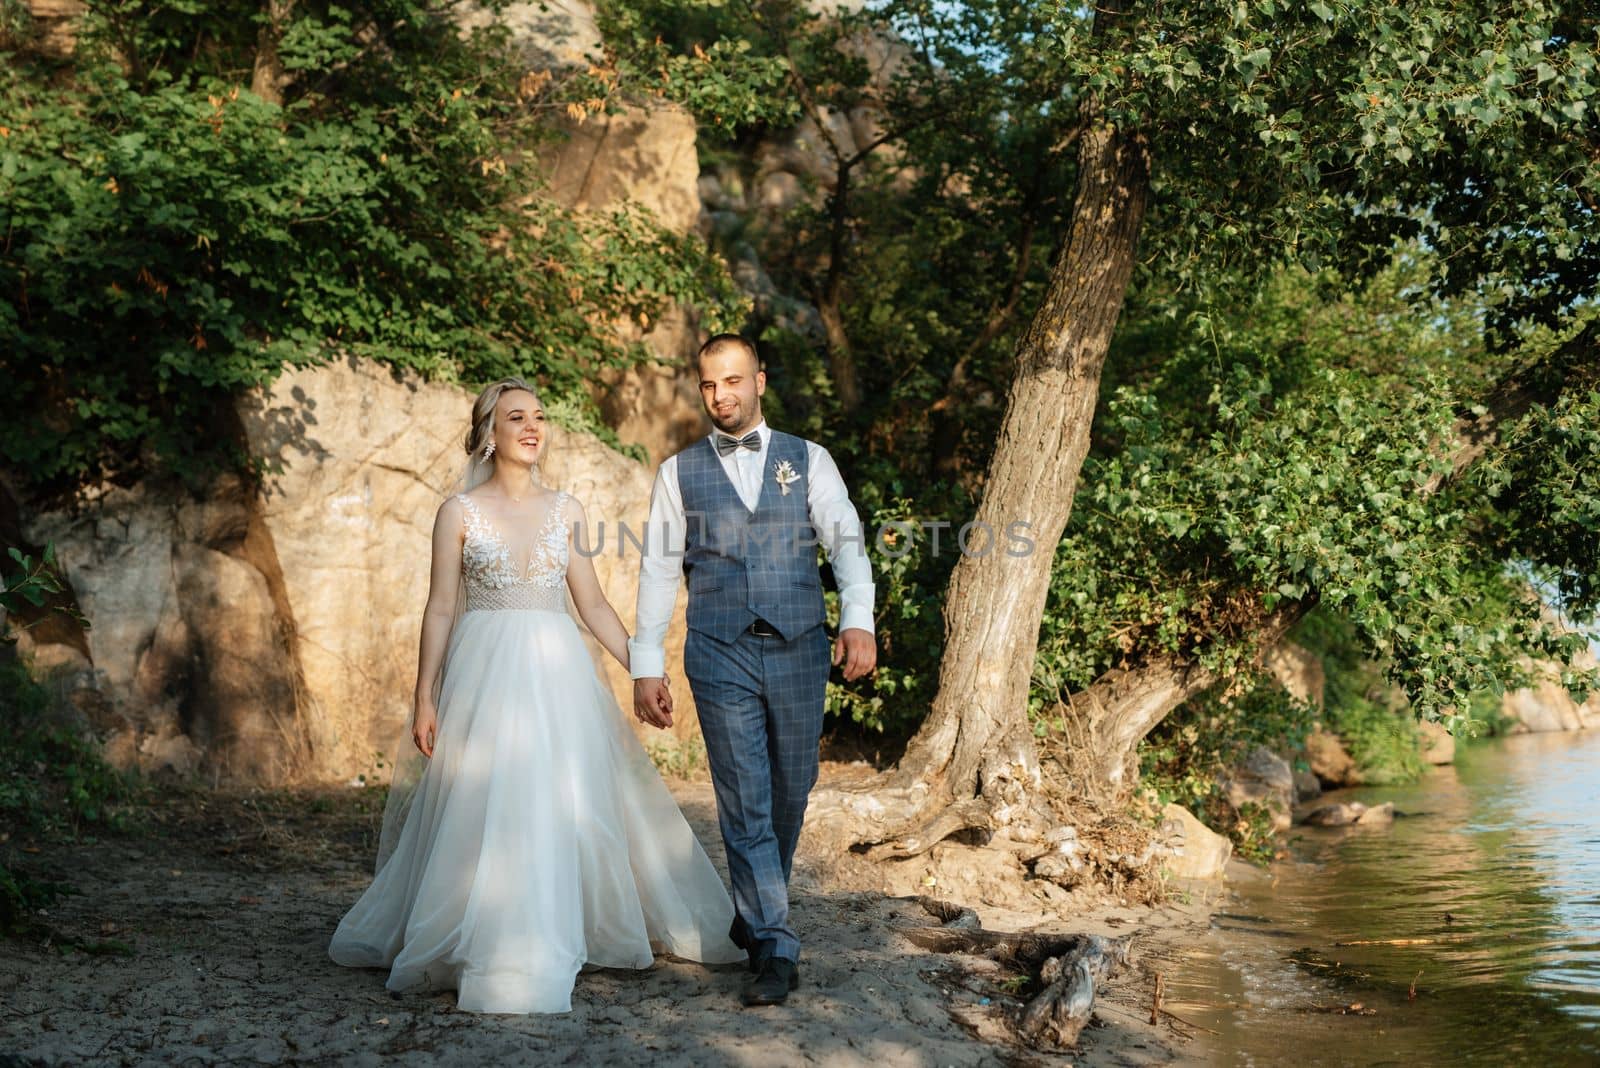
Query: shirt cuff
x=856 y=617
x=646 y=661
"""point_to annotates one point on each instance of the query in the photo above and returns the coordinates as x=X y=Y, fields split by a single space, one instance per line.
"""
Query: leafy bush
x=172 y=238
x=36 y=583
x=1189 y=755
x=53 y=784
x=53 y=780
x=1298 y=479
x=1361 y=705
x=910 y=620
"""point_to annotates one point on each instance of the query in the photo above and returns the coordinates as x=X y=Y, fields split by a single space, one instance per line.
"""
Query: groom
x=740 y=513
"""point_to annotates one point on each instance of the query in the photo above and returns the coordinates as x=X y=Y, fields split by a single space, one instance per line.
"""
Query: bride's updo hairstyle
x=483 y=413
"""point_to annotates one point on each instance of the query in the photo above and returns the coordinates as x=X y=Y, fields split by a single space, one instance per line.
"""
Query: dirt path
x=215 y=925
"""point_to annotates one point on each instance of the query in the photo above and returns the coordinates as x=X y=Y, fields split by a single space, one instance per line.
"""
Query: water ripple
x=1484 y=897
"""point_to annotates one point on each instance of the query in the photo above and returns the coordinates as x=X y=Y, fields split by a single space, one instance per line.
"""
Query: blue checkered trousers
x=759 y=698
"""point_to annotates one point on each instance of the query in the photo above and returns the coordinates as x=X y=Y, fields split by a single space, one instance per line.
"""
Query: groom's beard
x=736 y=422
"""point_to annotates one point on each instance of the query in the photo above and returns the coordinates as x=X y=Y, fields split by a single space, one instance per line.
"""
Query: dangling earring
x=488 y=450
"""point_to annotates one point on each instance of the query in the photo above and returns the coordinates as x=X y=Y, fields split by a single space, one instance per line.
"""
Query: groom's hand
x=652 y=702
x=857 y=650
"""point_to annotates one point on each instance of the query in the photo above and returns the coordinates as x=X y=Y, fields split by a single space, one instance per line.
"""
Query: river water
x=1479 y=909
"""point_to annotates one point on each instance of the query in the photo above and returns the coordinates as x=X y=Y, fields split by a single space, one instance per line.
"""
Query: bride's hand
x=424 y=728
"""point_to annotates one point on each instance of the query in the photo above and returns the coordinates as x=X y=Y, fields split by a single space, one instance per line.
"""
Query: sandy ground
x=209 y=931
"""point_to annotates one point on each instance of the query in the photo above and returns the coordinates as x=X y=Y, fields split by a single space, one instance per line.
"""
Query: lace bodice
x=493 y=582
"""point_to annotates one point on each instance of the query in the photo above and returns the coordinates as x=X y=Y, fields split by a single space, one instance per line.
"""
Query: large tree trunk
x=977 y=742
x=830 y=299
x=267 y=77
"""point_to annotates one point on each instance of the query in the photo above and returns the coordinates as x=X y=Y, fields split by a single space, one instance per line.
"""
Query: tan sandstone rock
x=1329 y=761
x=548 y=34
x=365 y=457
x=645 y=157
x=1437 y=744
x=1545 y=707
x=56 y=25
x=1194 y=851
x=1299 y=671
x=188 y=667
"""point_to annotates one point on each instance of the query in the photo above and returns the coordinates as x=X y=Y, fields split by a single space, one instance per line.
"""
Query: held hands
x=857 y=649
x=425 y=728
x=652 y=702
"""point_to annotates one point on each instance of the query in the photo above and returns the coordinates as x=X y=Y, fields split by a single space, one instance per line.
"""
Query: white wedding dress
x=540 y=837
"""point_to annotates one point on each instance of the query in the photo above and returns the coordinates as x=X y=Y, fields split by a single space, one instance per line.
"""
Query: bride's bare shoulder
x=451 y=513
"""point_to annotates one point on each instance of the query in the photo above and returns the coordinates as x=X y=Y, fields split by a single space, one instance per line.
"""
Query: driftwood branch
x=1071 y=967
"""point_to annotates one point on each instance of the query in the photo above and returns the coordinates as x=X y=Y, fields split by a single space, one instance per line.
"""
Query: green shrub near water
x=1189 y=755
x=1361 y=705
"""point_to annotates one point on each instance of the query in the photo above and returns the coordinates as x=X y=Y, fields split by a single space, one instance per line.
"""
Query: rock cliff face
x=1549 y=707
x=188 y=660
x=272 y=637
x=645 y=157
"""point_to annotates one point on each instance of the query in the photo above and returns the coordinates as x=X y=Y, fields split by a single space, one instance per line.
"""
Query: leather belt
x=762 y=629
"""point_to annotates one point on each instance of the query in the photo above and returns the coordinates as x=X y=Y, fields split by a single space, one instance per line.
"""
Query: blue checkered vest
x=740 y=564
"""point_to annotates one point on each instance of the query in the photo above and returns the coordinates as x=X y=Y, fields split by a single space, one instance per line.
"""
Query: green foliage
x=940 y=243
x=53 y=784
x=1189 y=755
x=173 y=238
x=1299 y=478
x=1547 y=489
x=1323 y=132
x=1361 y=705
x=910 y=580
x=712 y=57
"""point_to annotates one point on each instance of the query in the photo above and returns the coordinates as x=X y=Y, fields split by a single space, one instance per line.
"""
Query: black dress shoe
x=772 y=984
x=740 y=935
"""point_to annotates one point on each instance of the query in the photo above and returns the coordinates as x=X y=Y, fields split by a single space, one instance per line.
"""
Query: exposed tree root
x=1027 y=952
x=972 y=814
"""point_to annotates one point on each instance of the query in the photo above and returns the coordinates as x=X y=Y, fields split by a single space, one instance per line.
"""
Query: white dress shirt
x=831 y=514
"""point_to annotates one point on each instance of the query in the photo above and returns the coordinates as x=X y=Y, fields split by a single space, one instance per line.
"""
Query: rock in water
x=1343 y=814
x=1377 y=814
x=1329 y=761
x=1336 y=815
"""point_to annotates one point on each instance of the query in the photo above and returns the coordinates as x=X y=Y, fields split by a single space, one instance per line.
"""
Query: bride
x=537 y=836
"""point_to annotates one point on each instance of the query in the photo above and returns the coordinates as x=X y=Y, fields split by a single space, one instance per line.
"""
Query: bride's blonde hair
x=482 y=428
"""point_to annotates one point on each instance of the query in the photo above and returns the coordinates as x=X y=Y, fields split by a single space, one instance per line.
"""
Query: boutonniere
x=786 y=475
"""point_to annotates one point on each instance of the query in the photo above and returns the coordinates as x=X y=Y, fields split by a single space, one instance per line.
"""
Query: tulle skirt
x=540 y=837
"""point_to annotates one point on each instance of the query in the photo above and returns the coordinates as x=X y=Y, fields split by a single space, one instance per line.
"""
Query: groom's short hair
x=720 y=342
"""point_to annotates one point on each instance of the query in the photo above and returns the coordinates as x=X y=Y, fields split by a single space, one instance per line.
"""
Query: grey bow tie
x=751 y=441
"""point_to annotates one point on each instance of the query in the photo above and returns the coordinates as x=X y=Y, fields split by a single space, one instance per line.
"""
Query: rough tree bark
x=268 y=78
x=830 y=297
x=975 y=751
